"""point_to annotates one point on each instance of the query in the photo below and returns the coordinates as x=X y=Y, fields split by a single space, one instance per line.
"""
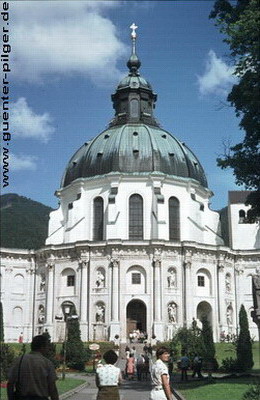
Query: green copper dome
x=134 y=148
x=134 y=142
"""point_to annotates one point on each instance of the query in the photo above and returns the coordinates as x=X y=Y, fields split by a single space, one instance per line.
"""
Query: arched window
x=174 y=219
x=134 y=108
x=135 y=217
x=67 y=283
x=98 y=228
x=242 y=216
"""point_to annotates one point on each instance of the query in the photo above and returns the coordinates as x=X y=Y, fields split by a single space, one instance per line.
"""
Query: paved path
x=129 y=390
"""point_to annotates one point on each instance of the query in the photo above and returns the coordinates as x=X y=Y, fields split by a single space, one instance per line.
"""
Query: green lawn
x=224 y=389
x=224 y=350
x=63 y=386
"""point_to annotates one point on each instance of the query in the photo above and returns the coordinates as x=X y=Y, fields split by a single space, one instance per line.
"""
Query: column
x=115 y=282
x=157 y=291
x=114 y=287
x=221 y=296
x=30 y=317
x=158 y=326
x=84 y=296
x=50 y=291
x=84 y=289
x=188 y=310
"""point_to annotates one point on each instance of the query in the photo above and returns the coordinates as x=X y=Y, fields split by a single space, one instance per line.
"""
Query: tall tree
x=208 y=345
x=240 y=25
x=244 y=344
x=76 y=354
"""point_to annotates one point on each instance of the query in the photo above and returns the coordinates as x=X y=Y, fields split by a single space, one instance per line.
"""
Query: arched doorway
x=135 y=316
x=204 y=310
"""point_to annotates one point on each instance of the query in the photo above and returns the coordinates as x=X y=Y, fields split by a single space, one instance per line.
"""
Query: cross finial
x=133 y=33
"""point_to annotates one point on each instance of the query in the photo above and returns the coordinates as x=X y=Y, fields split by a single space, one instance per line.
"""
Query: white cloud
x=62 y=38
x=22 y=162
x=25 y=123
x=217 y=77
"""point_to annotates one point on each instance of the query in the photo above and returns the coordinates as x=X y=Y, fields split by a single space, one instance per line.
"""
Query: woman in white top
x=160 y=376
x=108 y=377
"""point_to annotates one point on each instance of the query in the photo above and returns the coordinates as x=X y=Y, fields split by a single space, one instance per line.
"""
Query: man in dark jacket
x=33 y=373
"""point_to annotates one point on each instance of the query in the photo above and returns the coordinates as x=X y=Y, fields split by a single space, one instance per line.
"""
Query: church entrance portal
x=136 y=316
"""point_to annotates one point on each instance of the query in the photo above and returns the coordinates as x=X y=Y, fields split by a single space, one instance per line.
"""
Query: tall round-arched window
x=98 y=222
x=136 y=220
x=174 y=219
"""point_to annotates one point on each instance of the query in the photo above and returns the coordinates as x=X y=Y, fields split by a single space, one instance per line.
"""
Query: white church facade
x=134 y=243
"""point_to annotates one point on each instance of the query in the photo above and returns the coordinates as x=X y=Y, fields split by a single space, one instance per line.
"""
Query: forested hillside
x=24 y=222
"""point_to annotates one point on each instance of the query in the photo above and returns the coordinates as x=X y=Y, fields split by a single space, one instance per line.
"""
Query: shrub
x=6 y=359
x=229 y=364
x=253 y=393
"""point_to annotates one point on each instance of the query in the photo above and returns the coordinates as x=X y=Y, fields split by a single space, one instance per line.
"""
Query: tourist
x=197 y=365
x=108 y=377
x=139 y=366
x=130 y=367
x=184 y=364
x=33 y=373
x=133 y=352
x=160 y=377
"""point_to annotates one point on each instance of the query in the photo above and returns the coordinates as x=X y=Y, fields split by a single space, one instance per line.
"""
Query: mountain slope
x=24 y=222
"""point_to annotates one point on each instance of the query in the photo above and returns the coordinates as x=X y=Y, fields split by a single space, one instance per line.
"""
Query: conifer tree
x=76 y=354
x=244 y=344
x=208 y=347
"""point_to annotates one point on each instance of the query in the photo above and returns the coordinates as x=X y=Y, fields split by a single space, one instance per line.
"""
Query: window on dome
x=134 y=108
x=201 y=280
x=98 y=219
x=174 y=219
x=135 y=217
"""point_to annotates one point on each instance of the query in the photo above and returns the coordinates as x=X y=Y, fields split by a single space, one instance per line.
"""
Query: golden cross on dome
x=133 y=33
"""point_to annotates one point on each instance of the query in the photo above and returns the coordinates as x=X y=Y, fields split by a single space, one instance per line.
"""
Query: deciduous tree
x=240 y=24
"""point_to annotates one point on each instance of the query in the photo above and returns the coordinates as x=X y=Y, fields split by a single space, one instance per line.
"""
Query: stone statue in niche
x=256 y=289
x=42 y=283
x=229 y=316
x=100 y=313
x=171 y=278
x=41 y=315
x=172 y=312
x=100 y=282
x=228 y=283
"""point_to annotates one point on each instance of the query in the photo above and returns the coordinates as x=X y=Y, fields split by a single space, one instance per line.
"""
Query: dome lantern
x=134 y=99
x=134 y=143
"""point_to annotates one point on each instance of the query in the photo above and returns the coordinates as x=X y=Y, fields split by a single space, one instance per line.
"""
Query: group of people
x=137 y=336
x=108 y=377
x=33 y=376
x=138 y=365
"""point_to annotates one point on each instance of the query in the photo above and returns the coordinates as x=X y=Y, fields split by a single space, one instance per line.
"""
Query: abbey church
x=134 y=243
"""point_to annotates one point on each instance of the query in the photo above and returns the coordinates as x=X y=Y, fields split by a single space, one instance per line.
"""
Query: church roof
x=134 y=148
x=134 y=141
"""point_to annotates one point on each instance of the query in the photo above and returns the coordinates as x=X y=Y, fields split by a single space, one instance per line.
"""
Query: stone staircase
x=138 y=347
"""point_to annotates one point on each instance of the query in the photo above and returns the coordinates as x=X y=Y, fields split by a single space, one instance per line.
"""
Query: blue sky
x=67 y=59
